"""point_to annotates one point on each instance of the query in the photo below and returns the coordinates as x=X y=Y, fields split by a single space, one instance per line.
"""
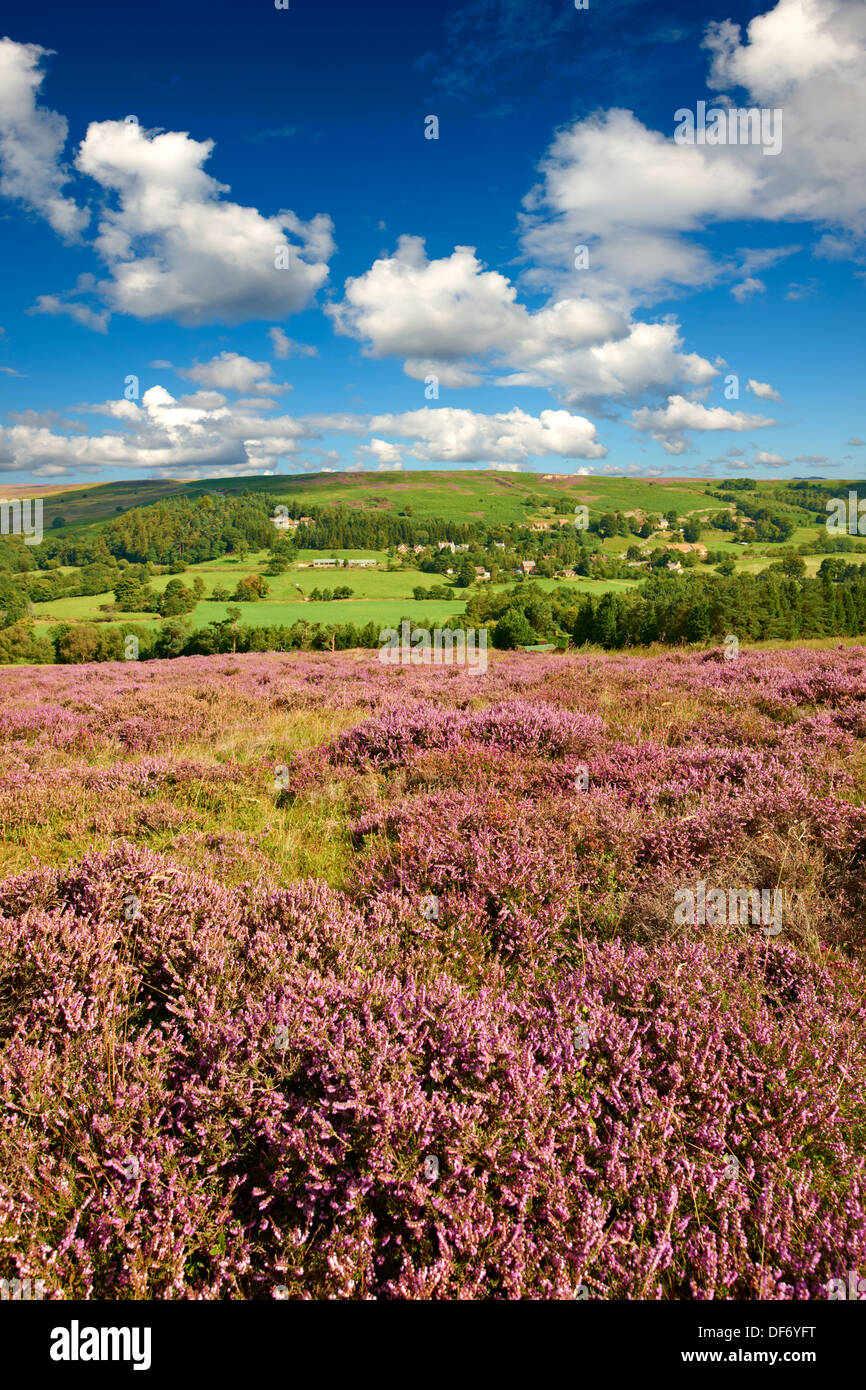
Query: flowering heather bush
x=392 y=738
x=232 y=1065
x=236 y=1091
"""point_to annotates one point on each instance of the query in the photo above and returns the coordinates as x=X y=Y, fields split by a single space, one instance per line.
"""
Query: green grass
x=370 y=584
x=385 y=612
x=65 y=610
x=579 y=587
x=307 y=556
x=495 y=497
x=365 y=583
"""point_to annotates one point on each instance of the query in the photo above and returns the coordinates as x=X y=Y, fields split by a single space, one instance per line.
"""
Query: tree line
x=692 y=610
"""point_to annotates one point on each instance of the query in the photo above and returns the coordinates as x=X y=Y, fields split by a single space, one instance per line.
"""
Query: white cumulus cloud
x=747 y=288
x=638 y=200
x=95 y=319
x=32 y=140
x=284 y=346
x=386 y=455
x=464 y=436
x=161 y=434
x=769 y=460
x=230 y=371
x=763 y=390
x=668 y=425
x=177 y=248
x=452 y=318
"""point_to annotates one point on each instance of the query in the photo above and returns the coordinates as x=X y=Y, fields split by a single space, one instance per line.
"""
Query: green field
x=379 y=596
x=367 y=583
x=383 y=611
x=306 y=557
x=284 y=606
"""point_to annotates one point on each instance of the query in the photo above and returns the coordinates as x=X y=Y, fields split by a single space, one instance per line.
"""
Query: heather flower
x=543 y=1087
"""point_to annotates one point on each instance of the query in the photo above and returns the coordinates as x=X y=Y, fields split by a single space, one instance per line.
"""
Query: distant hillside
x=82 y=505
x=475 y=494
x=452 y=495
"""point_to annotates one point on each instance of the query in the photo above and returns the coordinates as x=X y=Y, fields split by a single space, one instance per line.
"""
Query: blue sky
x=430 y=307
